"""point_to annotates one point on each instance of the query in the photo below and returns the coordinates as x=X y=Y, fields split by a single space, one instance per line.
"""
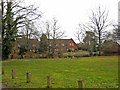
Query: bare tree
x=80 y=33
x=116 y=32
x=48 y=37
x=55 y=30
x=53 y=33
x=14 y=15
x=98 y=23
x=30 y=30
x=21 y=12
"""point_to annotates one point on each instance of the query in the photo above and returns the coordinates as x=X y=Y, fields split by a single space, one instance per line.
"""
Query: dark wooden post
x=3 y=72
x=49 y=82
x=28 y=77
x=13 y=74
x=81 y=84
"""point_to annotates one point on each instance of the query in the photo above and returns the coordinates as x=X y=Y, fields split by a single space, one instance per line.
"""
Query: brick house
x=60 y=46
x=31 y=44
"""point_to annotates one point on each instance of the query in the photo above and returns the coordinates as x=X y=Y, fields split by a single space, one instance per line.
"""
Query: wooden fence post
x=81 y=84
x=49 y=82
x=13 y=74
x=28 y=77
x=3 y=72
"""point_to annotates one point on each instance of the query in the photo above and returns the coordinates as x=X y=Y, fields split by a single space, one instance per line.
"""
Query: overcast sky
x=70 y=13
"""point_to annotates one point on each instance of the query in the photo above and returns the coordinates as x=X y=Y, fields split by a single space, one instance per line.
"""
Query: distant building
x=31 y=44
x=63 y=44
x=59 y=45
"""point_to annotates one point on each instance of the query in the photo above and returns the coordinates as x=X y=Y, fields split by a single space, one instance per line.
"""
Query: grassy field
x=97 y=72
x=77 y=53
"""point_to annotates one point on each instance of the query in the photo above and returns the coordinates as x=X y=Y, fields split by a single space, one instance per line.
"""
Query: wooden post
x=3 y=72
x=28 y=77
x=80 y=83
x=49 y=82
x=13 y=74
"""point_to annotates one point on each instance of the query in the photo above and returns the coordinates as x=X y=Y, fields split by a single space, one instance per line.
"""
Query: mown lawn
x=0 y=71
x=97 y=72
x=77 y=53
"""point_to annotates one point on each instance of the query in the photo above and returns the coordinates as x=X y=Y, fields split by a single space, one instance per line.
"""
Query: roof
x=31 y=42
x=66 y=41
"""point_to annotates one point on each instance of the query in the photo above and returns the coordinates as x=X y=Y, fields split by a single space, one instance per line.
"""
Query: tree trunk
x=99 y=46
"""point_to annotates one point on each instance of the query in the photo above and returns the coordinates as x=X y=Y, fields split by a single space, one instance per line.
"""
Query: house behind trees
x=33 y=45
x=60 y=46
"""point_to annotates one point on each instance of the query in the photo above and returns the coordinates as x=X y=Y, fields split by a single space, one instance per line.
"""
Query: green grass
x=0 y=71
x=97 y=72
x=78 y=53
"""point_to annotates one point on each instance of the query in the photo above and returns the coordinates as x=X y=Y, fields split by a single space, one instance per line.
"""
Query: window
x=18 y=45
x=72 y=49
x=56 y=49
x=72 y=44
x=34 y=45
x=33 y=50
x=56 y=44
x=63 y=44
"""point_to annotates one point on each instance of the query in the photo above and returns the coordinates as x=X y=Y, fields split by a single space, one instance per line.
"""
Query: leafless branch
x=79 y=34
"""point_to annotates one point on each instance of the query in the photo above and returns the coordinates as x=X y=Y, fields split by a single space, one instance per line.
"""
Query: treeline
x=19 y=20
x=99 y=34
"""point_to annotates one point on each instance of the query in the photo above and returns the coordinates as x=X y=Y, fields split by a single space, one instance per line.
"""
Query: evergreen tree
x=43 y=44
x=90 y=42
x=9 y=31
x=22 y=50
x=13 y=18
